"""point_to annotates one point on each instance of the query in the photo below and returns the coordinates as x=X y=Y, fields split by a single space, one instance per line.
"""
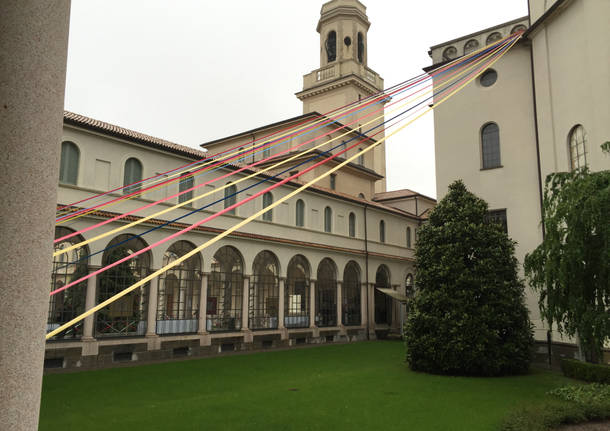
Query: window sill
x=490 y=169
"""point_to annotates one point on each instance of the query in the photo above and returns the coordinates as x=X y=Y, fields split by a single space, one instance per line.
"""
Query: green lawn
x=363 y=386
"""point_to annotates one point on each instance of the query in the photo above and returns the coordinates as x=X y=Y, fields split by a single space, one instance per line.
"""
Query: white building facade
x=307 y=271
x=542 y=108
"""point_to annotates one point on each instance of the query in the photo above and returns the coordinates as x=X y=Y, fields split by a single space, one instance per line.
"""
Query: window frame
x=186 y=182
x=300 y=213
x=328 y=219
x=482 y=145
x=575 y=164
x=229 y=200
x=267 y=201
x=127 y=189
x=65 y=165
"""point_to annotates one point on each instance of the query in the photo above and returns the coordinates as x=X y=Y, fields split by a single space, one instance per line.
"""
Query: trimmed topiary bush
x=586 y=371
x=469 y=315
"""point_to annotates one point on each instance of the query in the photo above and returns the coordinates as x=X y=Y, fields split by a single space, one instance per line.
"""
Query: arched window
x=296 y=299
x=230 y=197
x=350 y=295
x=495 y=36
x=225 y=291
x=264 y=292
x=409 y=285
x=186 y=182
x=360 y=47
x=361 y=196
x=471 y=46
x=331 y=46
x=328 y=219
x=178 y=294
x=518 y=28
x=352 y=225
x=68 y=267
x=267 y=201
x=449 y=53
x=127 y=315
x=132 y=174
x=408 y=237
x=382 y=231
x=490 y=146
x=577 y=142
x=300 y=213
x=383 y=303
x=70 y=159
x=326 y=294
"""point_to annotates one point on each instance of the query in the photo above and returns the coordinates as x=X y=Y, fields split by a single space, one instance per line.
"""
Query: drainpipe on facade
x=549 y=333
x=252 y=134
x=366 y=272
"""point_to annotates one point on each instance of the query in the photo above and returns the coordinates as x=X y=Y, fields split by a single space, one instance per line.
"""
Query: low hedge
x=585 y=371
x=566 y=405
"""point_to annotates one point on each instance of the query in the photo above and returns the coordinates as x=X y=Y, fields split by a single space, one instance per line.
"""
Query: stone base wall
x=65 y=356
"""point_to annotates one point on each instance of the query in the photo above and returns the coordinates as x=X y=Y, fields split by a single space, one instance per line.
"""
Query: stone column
x=33 y=50
x=205 y=340
x=280 y=316
x=312 y=303
x=371 y=317
x=90 y=303
x=244 y=303
x=339 y=303
x=203 y=306
x=151 y=320
x=363 y=316
x=88 y=341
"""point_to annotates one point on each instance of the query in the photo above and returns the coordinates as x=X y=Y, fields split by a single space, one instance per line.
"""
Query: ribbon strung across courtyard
x=470 y=73
x=224 y=159
x=419 y=106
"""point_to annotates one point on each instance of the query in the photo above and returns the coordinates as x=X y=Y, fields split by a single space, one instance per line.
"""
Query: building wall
x=572 y=86
x=514 y=186
x=280 y=236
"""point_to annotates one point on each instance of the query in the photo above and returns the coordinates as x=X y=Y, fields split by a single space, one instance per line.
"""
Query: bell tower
x=344 y=76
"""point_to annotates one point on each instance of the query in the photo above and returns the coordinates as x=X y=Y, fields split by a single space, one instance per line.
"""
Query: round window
x=489 y=78
x=347 y=41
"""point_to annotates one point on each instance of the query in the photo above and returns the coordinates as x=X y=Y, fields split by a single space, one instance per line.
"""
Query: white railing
x=325 y=74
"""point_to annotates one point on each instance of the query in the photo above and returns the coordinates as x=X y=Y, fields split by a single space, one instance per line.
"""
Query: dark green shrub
x=469 y=316
x=586 y=371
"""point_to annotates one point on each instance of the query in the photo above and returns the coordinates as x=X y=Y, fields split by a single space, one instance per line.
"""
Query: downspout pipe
x=366 y=272
x=549 y=334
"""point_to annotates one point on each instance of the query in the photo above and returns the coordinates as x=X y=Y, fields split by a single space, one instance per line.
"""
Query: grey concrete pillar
x=90 y=303
x=339 y=303
x=312 y=303
x=151 y=319
x=280 y=300
x=363 y=316
x=203 y=305
x=33 y=51
x=244 y=303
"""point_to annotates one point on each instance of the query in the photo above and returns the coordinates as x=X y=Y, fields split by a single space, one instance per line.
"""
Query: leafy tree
x=469 y=316
x=571 y=268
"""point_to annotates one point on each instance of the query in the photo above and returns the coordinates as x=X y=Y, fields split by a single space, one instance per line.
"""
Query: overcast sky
x=190 y=71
